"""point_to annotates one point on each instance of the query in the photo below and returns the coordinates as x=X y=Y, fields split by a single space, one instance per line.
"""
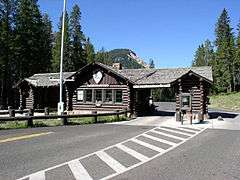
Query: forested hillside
x=126 y=58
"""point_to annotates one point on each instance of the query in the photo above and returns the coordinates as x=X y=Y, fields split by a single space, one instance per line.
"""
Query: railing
x=30 y=117
x=19 y=111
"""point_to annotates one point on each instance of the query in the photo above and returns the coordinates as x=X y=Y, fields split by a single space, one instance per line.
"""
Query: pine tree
x=67 y=63
x=90 y=54
x=151 y=63
x=28 y=39
x=204 y=56
x=7 y=60
x=103 y=57
x=237 y=62
x=223 y=69
x=47 y=43
x=77 y=38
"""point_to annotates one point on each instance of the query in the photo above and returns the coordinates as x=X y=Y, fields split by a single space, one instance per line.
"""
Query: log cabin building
x=98 y=87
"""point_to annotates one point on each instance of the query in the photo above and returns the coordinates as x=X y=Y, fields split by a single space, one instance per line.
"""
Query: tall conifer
x=237 y=62
x=28 y=39
x=67 y=63
x=90 y=53
x=223 y=69
x=7 y=60
x=77 y=38
x=47 y=43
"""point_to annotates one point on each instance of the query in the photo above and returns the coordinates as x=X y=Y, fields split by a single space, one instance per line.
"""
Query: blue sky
x=167 y=31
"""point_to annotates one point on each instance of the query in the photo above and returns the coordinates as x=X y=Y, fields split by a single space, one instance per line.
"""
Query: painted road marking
x=38 y=176
x=174 y=131
x=179 y=130
x=182 y=128
x=24 y=137
x=114 y=164
x=150 y=146
x=79 y=172
x=159 y=140
x=193 y=129
x=169 y=135
x=132 y=152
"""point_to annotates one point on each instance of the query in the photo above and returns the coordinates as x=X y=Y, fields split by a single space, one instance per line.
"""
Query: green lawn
x=230 y=102
x=57 y=122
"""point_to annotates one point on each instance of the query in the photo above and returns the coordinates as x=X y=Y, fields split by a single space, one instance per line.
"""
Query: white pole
x=61 y=104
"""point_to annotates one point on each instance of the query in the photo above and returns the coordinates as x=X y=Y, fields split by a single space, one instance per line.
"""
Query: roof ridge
x=52 y=73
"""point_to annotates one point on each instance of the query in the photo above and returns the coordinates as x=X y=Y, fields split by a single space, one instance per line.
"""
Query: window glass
x=88 y=95
x=98 y=94
x=108 y=96
x=80 y=95
x=185 y=101
x=119 y=96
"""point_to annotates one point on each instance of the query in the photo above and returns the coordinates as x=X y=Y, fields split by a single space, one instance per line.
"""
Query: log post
x=20 y=99
x=125 y=112
x=46 y=111
x=117 y=115
x=200 y=114
x=30 y=119
x=95 y=119
x=64 y=119
x=178 y=102
x=11 y=111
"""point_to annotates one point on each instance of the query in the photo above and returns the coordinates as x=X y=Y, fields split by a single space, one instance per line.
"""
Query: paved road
x=214 y=155
x=121 y=151
x=22 y=157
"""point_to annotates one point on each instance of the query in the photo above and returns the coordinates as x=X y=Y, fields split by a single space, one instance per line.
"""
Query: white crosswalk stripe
x=79 y=172
x=150 y=146
x=115 y=165
x=132 y=152
x=188 y=130
x=159 y=140
x=170 y=130
x=169 y=135
x=38 y=176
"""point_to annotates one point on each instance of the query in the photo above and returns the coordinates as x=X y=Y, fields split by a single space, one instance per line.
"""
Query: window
x=185 y=101
x=80 y=95
x=118 y=97
x=88 y=95
x=108 y=96
x=98 y=95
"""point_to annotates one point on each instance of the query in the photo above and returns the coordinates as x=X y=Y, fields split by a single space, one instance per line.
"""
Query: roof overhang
x=146 y=86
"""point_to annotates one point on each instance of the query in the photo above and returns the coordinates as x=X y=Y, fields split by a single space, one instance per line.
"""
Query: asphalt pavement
x=144 y=148
x=26 y=156
x=212 y=155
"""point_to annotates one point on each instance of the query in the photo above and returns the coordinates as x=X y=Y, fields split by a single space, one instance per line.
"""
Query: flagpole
x=61 y=103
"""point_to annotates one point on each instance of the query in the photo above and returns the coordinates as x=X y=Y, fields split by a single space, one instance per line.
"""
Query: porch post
x=68 y=99
x=32 y=97
x=20 y=99
x=178 y=101
x=201 y=113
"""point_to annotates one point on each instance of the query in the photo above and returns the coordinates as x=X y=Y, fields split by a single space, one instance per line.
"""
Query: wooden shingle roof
x=47 y=79
x=164 y=76
x=134 y=76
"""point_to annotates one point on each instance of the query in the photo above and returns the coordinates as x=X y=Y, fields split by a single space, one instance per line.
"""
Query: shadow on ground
x=216 y=114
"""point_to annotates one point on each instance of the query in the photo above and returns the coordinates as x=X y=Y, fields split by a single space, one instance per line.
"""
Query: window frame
x=95 y=95
x=77 y=95
x=86 y=101
x=115 y=96
x=105 y=96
